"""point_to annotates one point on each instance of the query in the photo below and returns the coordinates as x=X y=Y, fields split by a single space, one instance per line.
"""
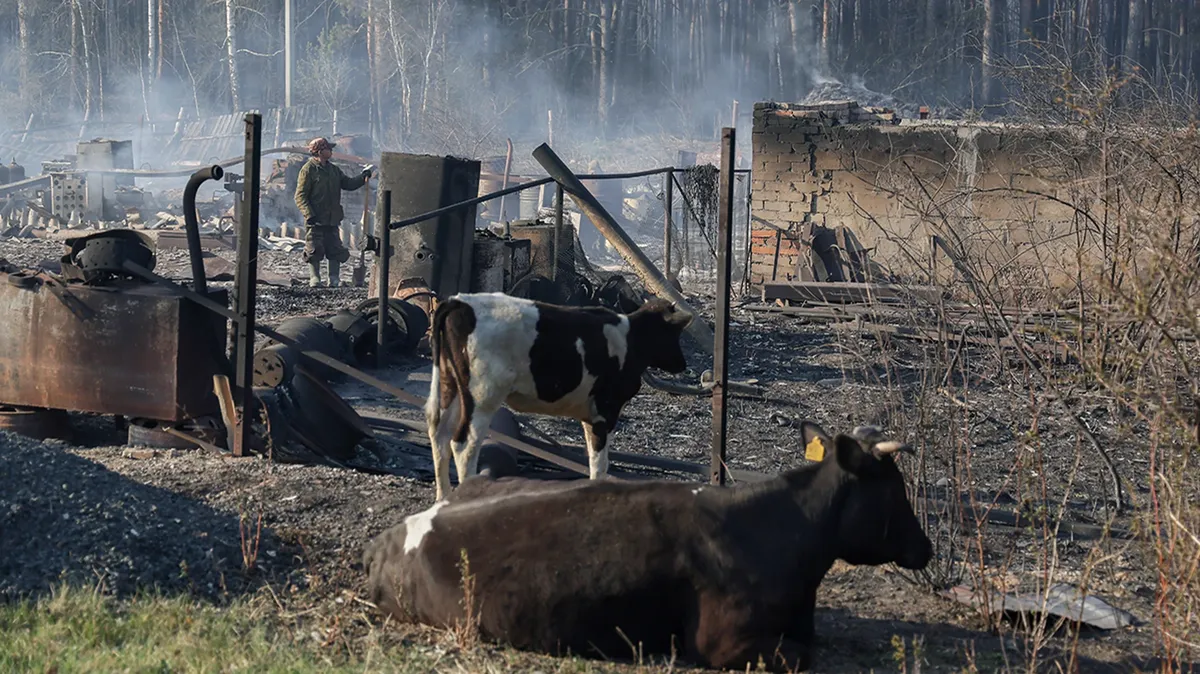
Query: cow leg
x=439 y=439
x=730 y=651
x=727 y=636
x=801 y=628
x=466 y=454
x=596 y=436
x=780 y=654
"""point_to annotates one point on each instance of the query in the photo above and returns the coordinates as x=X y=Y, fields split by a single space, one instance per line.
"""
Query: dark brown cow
x=585 y=363
x=722 y=575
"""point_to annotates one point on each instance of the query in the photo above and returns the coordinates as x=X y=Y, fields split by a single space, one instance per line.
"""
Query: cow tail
x=436 y=345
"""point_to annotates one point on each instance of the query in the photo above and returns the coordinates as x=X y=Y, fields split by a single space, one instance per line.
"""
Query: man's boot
x=335 y=268
x=314 y=273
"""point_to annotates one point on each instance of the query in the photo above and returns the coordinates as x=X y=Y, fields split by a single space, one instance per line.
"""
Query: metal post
x=504 y=184
x=670 y=205
x=247 y=279
x=383 y=216
x=559 y=195
x=287 y=53
x=721 y=332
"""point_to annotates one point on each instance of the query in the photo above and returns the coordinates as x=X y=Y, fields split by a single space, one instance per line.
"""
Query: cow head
x=657 y=327
x=875 y=521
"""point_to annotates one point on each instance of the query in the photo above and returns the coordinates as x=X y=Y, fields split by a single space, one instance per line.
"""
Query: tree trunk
x=826 y=20
x=990 y=20
x=162 y=28
x=372 y=99
x=151 y=35
x=231 y=56
x=87 y=61
x=796 y=77
x=23 y=44
x=1134 y=33
x=600 y=47
x=74 y=65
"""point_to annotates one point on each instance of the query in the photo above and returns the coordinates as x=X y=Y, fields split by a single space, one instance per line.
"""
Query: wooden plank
x=847 y=291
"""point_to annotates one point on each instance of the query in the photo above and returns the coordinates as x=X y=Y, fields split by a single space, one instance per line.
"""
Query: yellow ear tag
x=815 y=450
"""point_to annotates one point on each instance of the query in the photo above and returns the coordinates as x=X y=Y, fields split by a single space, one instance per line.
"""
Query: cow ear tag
x=814 y=450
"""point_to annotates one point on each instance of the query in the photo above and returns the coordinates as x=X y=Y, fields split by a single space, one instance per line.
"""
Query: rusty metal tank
x=610 y=192
x=135 y=351
x=491 y=180
x=437 y=250
x=541 y=247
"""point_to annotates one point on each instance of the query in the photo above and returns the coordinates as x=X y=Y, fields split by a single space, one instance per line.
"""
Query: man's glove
x=367 y=170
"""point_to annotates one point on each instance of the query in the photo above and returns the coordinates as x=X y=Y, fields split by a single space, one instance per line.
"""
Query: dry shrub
x=1086 y=319
x=466 y=631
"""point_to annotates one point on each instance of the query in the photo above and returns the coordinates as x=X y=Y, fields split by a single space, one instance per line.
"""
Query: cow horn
x=679 y=317
x=892 y=447
x=867 y=434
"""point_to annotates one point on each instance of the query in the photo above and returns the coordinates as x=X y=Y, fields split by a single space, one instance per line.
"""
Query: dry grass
x=1128 y=278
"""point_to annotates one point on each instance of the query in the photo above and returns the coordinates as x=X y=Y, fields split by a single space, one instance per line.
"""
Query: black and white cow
x=584 y=363
x=722 y=576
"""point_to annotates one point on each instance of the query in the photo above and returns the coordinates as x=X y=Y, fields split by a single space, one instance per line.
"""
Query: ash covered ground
x=87 y=512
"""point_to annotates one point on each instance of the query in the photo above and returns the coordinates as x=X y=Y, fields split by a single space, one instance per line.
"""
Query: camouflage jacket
x=319 y=192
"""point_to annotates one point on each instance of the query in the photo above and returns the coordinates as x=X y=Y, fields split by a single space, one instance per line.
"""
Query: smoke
x=458 y=77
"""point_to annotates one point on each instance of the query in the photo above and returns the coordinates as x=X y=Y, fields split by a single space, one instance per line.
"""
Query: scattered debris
x=1061 y=599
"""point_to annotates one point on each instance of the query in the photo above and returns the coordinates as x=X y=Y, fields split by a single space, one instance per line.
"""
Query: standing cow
x=584 y=363
x=724 y=575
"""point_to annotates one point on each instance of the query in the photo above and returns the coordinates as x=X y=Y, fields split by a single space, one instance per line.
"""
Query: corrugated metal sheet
x=187 y=142
x=207 y=140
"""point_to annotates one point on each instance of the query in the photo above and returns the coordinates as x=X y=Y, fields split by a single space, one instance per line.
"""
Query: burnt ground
x=86 y=511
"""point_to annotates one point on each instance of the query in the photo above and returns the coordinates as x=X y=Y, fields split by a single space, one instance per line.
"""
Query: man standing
x=319 y=198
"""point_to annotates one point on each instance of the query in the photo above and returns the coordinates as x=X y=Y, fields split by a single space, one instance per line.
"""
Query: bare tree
x=231 y=55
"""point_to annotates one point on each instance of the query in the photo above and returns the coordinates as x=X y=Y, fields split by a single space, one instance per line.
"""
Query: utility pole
x=287 y=53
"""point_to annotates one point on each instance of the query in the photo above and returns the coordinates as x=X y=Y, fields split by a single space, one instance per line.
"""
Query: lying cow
x=585 y=363
x=723 y=575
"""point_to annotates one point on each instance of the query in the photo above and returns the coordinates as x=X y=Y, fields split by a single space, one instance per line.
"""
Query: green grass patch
x=82 y=630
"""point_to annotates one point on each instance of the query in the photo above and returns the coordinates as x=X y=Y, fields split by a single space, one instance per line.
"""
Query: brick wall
x=855 y=176
x=793 y=181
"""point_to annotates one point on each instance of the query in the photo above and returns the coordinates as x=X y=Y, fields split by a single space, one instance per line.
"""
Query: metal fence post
x=669 y=197
x=721 y=329
x=247 y=280
x=383 y=216
x=559 y=195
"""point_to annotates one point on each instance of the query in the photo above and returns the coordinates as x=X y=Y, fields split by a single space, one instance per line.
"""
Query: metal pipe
x=246 y=281
x=383 y=213
x=232 y=161
x=469 y=202
x=621 y=241
x=669 y=199
x=721 y=340
x=191 y=224
x=504 y=184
